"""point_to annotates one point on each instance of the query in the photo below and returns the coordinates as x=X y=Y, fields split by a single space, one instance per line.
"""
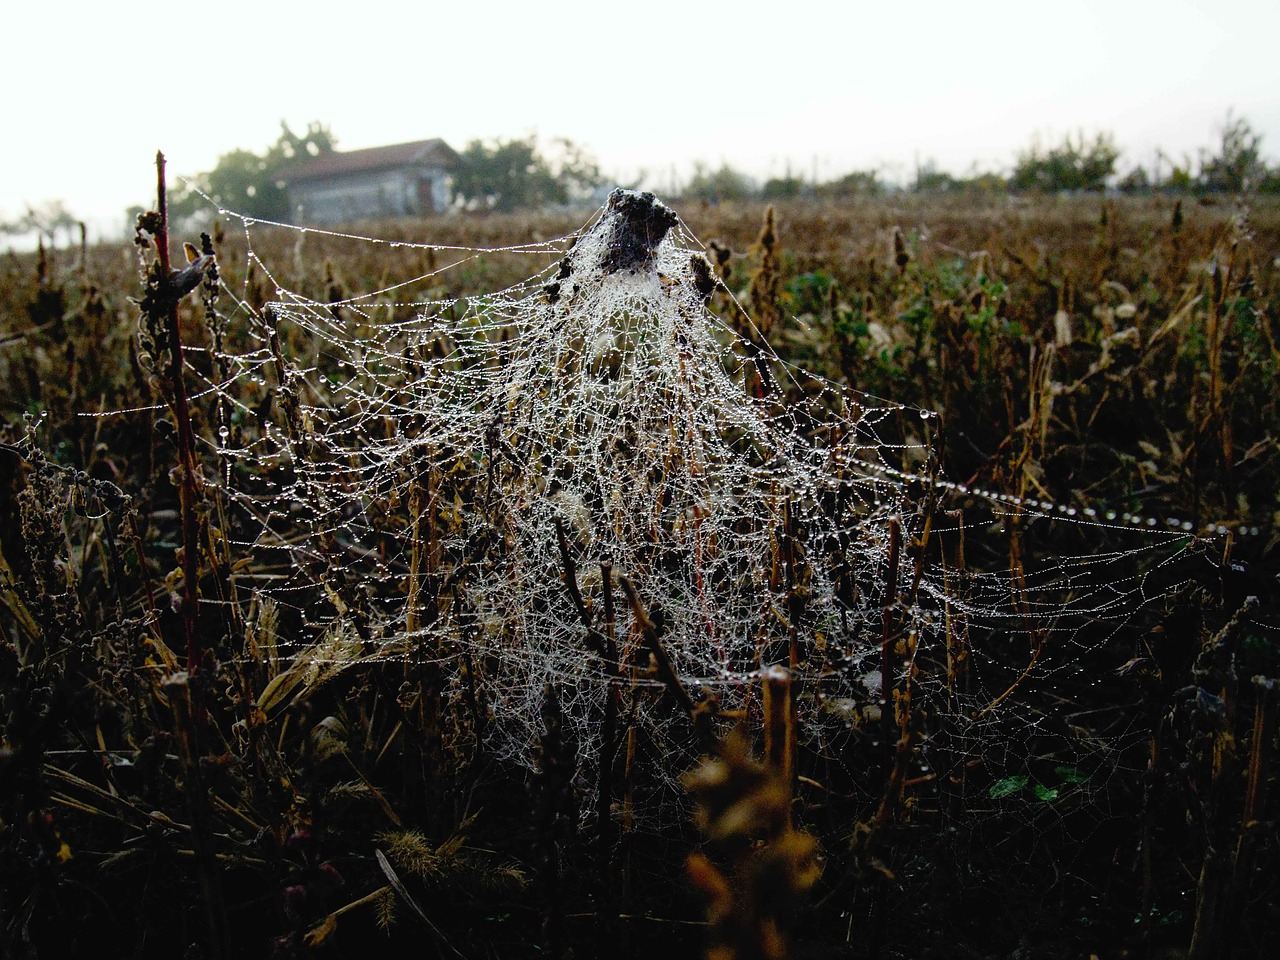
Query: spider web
x=465 y=483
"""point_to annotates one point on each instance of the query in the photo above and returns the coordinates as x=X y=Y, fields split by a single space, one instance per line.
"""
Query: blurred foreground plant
x=744 y=810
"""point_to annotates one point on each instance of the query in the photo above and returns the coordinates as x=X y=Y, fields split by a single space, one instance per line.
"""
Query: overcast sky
x=92 y=89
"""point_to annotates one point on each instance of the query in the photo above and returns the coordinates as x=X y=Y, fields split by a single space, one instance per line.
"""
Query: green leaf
x=1008 y=786
x=1045 y=794
x=1071 y=775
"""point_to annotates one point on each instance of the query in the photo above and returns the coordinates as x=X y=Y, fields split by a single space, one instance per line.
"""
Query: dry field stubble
x=1116 y=356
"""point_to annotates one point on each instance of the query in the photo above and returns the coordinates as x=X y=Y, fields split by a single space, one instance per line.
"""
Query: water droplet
x=925 y=414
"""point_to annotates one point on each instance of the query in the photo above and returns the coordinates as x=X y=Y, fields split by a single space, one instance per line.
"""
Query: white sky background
x=92 y=89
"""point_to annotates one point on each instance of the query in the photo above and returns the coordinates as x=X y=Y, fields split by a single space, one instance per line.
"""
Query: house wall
x=441 y=189
x=372 y=195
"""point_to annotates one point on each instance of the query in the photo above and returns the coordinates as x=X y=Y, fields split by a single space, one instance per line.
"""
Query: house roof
x=435 y=152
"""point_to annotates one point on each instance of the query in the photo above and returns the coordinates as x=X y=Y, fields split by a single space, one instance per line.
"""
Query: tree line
x=1076 y=163
x=506 y=174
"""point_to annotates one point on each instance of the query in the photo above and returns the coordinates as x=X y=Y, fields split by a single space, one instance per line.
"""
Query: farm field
x=309 y=645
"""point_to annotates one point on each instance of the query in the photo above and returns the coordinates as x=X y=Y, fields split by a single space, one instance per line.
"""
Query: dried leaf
x=321 y=932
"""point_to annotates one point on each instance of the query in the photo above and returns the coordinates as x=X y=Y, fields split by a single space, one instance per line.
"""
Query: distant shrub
x=1074 y=164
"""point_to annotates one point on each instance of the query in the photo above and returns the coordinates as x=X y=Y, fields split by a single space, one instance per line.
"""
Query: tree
x=241 y=181
x=1074 y=164
x=513 y=174
x=984 y=182
x=251 y=183
x=929 y=179
x=46 y=221
x=716 y=186
x=1237 y=166
x=782 y=188
x=858 y=183
x=575 y=168
x=1179 y=178
x=1136 y=180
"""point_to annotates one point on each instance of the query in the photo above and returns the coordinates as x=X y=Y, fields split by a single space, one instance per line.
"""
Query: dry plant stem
x=628 y=808
x=1026 y=672
x=1216 y=425
x=179 y=692
x=891 y=802
x=1150 y=779
x=896 y=704
x=1215 y=880
x=423 y=557
x=322 y=930
x=666 y=672
x=184 y=692
x=608 y=750
x=956 y=620
x=1254 y=800
x=744 y=809
x=955 y=587
x=421 y=610
x=888 y=611
x=140 y=557
x=779 y=723
x=337 y=588
x=766 y=309
x=1206 y=936
x=597 y=645
x=794 y=602
x=1038 y=635
x=186 y=452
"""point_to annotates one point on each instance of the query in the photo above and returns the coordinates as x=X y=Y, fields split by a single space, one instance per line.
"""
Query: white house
x=402 y=180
